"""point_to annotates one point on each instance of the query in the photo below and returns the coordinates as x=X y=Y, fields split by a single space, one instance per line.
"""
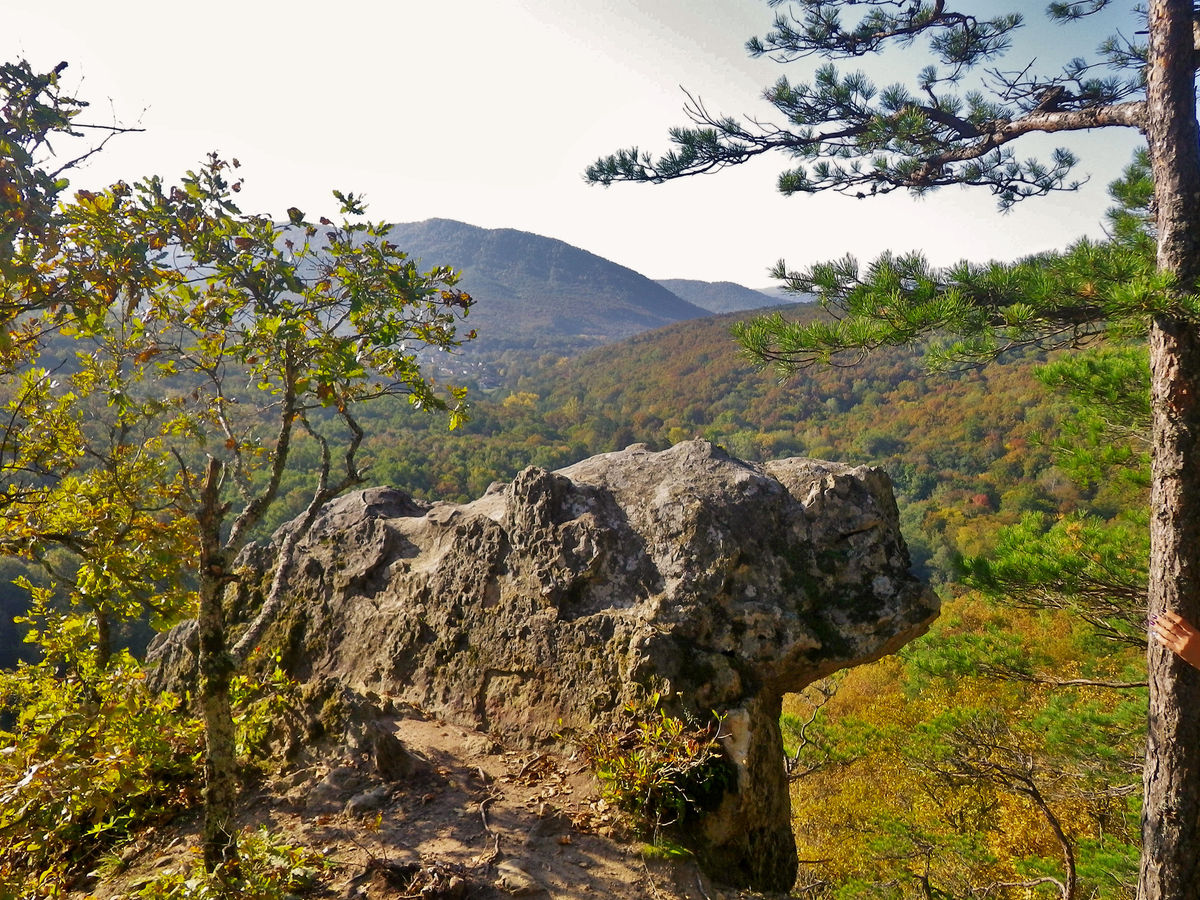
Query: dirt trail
x=470 y=821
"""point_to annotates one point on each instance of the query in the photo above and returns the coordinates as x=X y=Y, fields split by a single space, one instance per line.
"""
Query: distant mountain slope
x=777 y=294
x=538 y=293
x=722 y=296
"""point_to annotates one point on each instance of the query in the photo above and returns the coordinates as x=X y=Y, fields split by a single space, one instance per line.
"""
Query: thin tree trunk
x=1070 y=887
x=1170 y=867
x=103 y=639
x=216 y=673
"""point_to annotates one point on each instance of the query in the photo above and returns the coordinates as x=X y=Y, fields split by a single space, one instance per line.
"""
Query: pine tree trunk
x=216 y=673
x=1171 y=815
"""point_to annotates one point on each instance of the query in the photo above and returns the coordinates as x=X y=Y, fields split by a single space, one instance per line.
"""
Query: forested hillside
x=966 y=451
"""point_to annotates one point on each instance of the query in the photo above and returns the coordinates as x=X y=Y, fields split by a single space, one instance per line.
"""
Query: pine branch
x=1011 y=674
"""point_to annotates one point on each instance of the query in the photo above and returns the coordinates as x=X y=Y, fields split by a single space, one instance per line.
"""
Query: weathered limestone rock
x=541 y=607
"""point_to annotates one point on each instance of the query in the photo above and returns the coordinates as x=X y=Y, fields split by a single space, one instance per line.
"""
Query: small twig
x=483 y=811
x=490 y=858
x=529 y=765
x=826 y=688
x=650 y=878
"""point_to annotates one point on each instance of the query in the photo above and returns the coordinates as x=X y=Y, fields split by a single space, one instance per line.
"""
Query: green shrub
x=268 y=869
x=88 y=757
x=657 y=769
x=266 y=708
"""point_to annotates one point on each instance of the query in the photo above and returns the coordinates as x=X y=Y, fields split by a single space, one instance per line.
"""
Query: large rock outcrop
x=543 y=606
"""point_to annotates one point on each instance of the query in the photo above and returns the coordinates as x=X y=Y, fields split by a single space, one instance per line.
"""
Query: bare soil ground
x=472 y=820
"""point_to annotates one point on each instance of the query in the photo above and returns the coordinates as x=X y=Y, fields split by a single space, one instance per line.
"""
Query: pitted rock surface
x=545 y=605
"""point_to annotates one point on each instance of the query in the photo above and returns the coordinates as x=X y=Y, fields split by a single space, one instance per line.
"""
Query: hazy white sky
x=488 y=111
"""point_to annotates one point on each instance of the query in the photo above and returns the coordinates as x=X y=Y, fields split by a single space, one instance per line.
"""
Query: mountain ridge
x=535 y=292
x=723 y=296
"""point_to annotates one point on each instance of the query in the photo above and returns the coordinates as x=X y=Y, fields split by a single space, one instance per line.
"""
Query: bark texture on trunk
x=1171 y=815
x=220 y=758
x=216 y=673
x=1170 y=867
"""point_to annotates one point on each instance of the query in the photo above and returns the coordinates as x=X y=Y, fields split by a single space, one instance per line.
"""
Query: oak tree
x=216 y=343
